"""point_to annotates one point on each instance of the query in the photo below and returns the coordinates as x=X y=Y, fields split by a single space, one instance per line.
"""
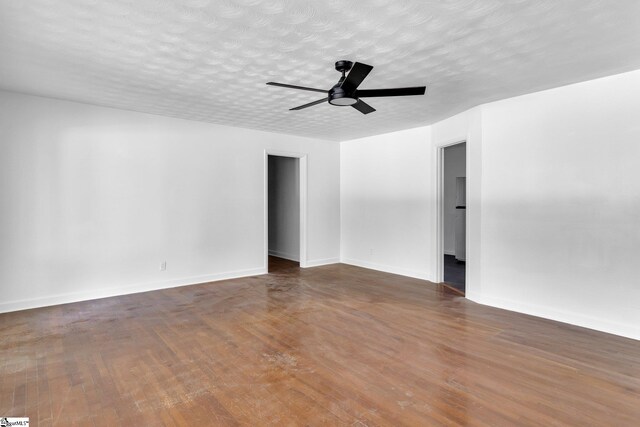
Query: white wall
x=455 y=166
x=553 y=202
x=561 y=204
x=386 y=202
x=93 y=199
x=388 y=193
x=284 y=207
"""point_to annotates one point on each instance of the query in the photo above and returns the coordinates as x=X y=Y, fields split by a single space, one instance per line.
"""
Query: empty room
x=305 y=213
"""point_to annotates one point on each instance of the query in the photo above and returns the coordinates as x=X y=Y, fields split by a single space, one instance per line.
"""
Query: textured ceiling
x=208 y=60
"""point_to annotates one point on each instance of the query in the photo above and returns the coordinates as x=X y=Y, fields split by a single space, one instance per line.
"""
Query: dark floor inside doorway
x=278 y=265
x=454 y=272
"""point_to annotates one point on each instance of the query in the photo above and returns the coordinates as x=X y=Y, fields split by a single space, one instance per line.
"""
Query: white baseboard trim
x=449 y=252
x=70 y=297
x=290 y=257
x=388 y=269
x=319 y=262
x=571 y=318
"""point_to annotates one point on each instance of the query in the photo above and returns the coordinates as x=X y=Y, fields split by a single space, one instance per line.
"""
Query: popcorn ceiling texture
x=209 y=60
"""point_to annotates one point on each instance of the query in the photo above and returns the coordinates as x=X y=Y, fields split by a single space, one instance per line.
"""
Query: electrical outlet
x=163 y=265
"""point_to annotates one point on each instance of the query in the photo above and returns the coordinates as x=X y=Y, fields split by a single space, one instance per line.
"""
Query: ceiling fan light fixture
x=337 y=96
x=342 y=101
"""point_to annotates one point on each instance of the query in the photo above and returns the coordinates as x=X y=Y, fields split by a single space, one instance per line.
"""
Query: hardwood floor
x=332 y=345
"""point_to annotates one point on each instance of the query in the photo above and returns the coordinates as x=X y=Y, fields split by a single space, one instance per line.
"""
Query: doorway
x=285 y=213
x=454 y=166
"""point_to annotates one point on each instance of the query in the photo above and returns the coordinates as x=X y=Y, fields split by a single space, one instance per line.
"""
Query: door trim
x=302 y=157
x=439 y=191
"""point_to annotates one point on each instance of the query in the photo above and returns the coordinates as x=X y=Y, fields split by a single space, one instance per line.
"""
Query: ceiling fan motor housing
x=338 y=96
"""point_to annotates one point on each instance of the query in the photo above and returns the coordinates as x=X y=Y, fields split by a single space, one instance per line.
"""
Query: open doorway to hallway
x=454 y=167
x=283 y=192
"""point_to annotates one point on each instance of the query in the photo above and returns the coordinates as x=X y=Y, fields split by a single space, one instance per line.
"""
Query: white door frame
x=439 y=252
x=302 y=157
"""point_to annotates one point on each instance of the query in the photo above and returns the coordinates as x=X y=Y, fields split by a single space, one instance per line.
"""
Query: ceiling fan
x=346 y=92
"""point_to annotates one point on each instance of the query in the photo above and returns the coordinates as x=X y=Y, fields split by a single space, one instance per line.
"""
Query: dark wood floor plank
x=333 y=345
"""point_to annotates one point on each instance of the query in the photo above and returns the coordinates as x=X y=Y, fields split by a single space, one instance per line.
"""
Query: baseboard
x=571 y=318
x=449 y=252
x=319 y=262
x=290 y=257
x=124 y=290
x=387 y=269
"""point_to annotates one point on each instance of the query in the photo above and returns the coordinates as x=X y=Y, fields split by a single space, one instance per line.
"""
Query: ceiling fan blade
x=311 y=104
x=297 y=87
x=363 y=107
x=357 y=74
x=399 y=91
